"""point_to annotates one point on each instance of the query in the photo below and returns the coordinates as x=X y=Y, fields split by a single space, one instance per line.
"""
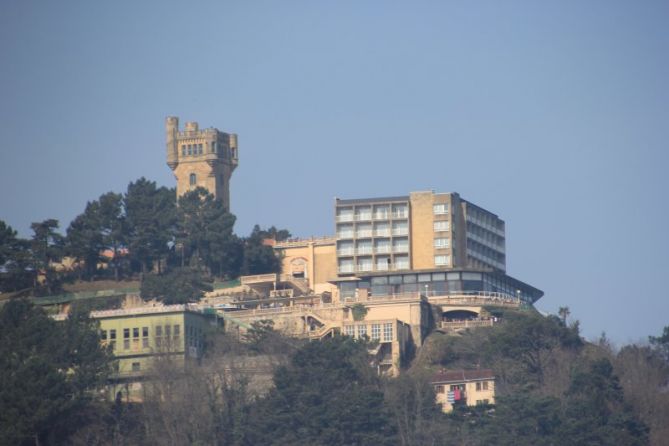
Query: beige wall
x=422 y=231
x=319 y=260
x=473 y=395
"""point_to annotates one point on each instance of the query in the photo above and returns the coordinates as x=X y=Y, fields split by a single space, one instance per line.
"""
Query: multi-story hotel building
x=423 y=230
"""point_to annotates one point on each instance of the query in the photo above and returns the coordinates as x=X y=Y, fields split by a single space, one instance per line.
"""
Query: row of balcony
x=369 y=251
x=371 y=268
x=364 y=234
x=369 y=217
x=484 y=225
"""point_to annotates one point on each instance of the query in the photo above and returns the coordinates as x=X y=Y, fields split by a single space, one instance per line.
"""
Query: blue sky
x=554 y=115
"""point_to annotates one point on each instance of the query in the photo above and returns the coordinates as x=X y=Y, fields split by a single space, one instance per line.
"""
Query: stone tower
x=203 y=158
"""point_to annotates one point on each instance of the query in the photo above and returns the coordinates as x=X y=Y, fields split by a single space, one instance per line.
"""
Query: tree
x=113 y=227
x=258 y=257
x=151 y=218
x=47 y=370
x=84 y=239
x=205 y=233
x=661 y=343
x=327 y=395
x=178 y=286
x=14 y=260
x=564 y=314
x=46 y=247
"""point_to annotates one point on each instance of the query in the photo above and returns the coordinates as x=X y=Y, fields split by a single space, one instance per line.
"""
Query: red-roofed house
x=469 y=387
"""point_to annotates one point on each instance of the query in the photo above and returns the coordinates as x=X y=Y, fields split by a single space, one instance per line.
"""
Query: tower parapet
x=201 y=158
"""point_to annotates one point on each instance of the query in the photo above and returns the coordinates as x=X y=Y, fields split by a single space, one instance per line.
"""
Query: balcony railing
x=401 y=231
x=361 y=234
x=457 y=325
x=345 y=235
x=401 y=248
x=344 y=218
x=346 y=252
x=382 y=216
x=346 y=269
x=382 y=233
x=363 y=217
x=364 y=251
x=382 y=249
x=400 y=214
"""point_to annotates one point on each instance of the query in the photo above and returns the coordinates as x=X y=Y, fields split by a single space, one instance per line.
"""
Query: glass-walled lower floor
x=439 y=282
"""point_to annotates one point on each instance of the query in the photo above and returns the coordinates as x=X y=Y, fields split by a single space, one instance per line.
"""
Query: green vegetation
x=48 y=372
x=140 y=235
x=555 y=389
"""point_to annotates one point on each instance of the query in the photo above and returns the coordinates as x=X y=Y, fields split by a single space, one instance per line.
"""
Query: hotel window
x=400 y=228
x=441 y=225
x=193 y=179
x=401 y=262
x=345 y=214
x=349 y=330
x=442 y=260
x=363 y=213
x=365 y=264
x=387 y=332
x=362 y=331
x=345 y=231
x=376 y=332
x=441 y=242
x=440 y=208
x=400 y=211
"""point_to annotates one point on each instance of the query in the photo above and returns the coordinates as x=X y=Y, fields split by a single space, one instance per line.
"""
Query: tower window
x=193 y=179
x=183 y=150
x=199 y=149
x=190 y=149
x=213 y=147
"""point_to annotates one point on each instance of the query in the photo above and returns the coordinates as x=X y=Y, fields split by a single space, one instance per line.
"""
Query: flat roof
x=340 y=201
x=458 y=376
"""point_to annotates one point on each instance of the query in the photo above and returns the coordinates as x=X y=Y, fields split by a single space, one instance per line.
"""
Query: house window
x=388 y=332
x=135 y=366
x=440 y=208
x=441 y=242
x=485 y=386
x=103 y=334
x=126 y=344
x=442 y=260
x=126 y=333
x=441 y=225
x=135 y=332
x=349 y=330
x=376 y=332
x=362 y=331
x=145 y=342
x=159 y=330
x=145 y=332
x=193 y=179
x=439 y=388
x=478 y=386
x=177 y=331
x=112 y=334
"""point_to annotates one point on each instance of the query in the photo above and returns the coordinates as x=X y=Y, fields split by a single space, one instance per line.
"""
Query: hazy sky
x=554 y=115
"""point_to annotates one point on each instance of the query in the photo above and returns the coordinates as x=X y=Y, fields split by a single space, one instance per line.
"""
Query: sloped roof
x=459 y=376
